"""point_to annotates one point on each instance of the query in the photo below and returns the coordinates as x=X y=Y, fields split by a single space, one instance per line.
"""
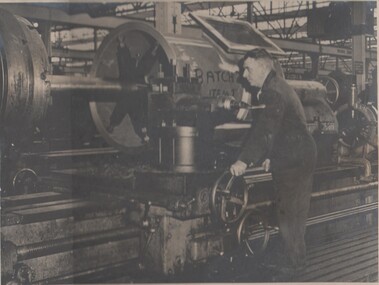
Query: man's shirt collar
x=264 y=87
x=268 y=79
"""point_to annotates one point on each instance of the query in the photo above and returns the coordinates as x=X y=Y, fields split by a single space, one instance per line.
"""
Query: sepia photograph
x=188 y=142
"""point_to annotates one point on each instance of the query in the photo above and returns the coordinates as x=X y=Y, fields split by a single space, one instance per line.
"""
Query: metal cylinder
x=24 y=90
x=91 y=86
x=61 y=84
x=185 y=148
x=177 y=148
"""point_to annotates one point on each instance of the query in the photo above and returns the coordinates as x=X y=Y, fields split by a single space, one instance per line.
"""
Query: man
x=279 y=139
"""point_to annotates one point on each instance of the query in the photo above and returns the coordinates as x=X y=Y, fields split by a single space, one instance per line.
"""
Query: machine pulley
x=229 y=198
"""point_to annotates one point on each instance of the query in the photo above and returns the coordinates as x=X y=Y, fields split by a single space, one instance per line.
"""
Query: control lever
x=185 y=204
x=150 y=231
x=229 y=103
x=145 y=219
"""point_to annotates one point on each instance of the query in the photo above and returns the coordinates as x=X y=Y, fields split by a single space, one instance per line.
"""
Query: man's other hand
x=266 y=165
x=238 y=168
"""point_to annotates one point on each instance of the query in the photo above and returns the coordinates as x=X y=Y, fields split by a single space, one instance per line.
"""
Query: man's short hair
x=258 y=53
x=262 y=53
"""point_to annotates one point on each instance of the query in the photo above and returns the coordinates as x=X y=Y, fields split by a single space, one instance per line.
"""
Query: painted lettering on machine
x=216 y=72
x=213 y=78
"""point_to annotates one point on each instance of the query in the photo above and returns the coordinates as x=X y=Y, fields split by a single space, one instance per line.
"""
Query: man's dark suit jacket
x=279 y=132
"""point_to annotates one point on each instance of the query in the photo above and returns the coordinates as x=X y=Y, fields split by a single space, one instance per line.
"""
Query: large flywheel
x=133 y=54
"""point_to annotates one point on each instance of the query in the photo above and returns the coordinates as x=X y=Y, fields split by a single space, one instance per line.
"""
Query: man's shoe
x=283 y=274
x=300 y=268
x=279 y=273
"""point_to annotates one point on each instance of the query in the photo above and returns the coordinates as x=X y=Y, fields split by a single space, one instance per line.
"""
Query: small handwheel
x=332 y=89
x=253 y=232
x=229 y=198
x=25 y=181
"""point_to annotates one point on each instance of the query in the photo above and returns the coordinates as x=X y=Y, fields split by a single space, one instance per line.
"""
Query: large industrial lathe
x=175 y=98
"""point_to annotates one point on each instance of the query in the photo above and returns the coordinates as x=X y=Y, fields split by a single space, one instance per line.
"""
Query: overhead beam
x=186 y=7
x=57 y=16
x=278 y=16
x=292 y=45
x=194 y=6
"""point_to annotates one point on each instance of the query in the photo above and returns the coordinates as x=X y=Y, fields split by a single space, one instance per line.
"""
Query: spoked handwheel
x=229 y=198
x=25 y=182
x=253 y=233
x=332 y=89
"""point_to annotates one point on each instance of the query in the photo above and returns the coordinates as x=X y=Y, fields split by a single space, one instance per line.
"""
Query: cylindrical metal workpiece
x=177 y=148
x=63 y=84
x=184 y=147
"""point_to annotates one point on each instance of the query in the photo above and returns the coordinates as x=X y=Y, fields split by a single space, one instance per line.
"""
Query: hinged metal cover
x=235 y=36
